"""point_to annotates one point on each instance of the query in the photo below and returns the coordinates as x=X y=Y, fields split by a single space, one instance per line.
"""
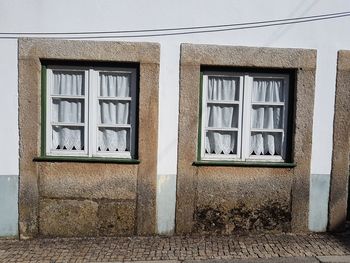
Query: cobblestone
x=114 y=249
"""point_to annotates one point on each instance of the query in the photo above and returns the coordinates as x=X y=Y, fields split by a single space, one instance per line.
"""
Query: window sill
x=244 y=164
x=85 y=159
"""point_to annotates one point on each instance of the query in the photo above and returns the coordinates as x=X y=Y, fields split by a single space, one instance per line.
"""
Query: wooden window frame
x=244 y=129
x=91 y=109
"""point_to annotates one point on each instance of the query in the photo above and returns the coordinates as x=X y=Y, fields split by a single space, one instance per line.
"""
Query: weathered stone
x=343 y=63
x=68 y=218
x=269 y=216
x=227 y=188
x=116 y=218
x=238 y=56
x=302 y=144
x=253 y=199
x=148 y=141
x=91 y=180
x=341 y=146
x=29 y=75
x=142 y=52
x=188 y=123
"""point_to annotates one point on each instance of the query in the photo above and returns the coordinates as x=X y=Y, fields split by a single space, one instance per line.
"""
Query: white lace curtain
x=114 y=112
x=219 y=142
x=267 y=117
x=68 y=111
x=222 y=115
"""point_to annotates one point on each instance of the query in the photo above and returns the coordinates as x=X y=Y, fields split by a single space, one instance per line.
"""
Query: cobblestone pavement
x=173 y=248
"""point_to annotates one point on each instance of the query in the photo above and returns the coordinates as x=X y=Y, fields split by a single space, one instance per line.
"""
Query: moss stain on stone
x=272 y=216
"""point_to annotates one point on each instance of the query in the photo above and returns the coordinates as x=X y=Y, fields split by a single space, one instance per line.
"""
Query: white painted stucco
x=319 y=194
x=8 y=108
x=8 y=205
x=326 y=36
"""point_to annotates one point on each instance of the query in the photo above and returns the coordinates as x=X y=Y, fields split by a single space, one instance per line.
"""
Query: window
x=244 y=116
x=91 y=112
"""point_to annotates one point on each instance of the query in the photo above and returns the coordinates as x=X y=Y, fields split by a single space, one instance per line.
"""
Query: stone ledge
x=333 y=259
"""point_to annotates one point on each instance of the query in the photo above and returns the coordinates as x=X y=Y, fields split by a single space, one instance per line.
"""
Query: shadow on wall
x=348 y=208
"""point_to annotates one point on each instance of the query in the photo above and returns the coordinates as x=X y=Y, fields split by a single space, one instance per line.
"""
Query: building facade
x=173 y=117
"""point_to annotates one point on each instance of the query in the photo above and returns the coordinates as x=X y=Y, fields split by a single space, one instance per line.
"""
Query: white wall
x=8 y=138
x=8 y=108
x=95 y=15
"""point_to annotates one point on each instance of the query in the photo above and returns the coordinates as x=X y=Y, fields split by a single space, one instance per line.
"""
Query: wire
x=171 y=29
x=208 y=29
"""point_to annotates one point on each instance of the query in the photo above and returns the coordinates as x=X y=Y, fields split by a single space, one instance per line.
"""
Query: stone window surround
x=142 y=176
x=192 y=57
x=339 y=191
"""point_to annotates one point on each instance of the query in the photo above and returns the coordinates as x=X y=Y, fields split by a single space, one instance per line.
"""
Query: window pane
x=219 y=142
x=223 y=88
x=68 y=83
x=265 y=143
x=268 y=90
x=114 y=112
x=220 y=116
x=113 y=140
x=267 y=117
x=68 y=110
x=67 y=138
x=115 y=84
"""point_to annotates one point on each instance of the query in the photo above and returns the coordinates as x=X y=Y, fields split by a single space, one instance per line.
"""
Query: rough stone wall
x=341 y=146
x=86 y=199
x=242 y=200
x=216 y=199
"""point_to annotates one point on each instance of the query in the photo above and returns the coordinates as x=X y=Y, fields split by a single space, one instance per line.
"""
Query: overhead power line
x=158 y=32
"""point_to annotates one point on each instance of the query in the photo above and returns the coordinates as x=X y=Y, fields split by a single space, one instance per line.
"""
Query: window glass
x=67 y=138
x=222 y=115
x=268 y=90
x=68 y=110
x=221 y=142
x=114 y=84
x=68 y=83
x=265 y=143
x=223 y=88
x=114 y=112
x=267 y=117
x=91 y=111
x=113 y=140
x=244 y=116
